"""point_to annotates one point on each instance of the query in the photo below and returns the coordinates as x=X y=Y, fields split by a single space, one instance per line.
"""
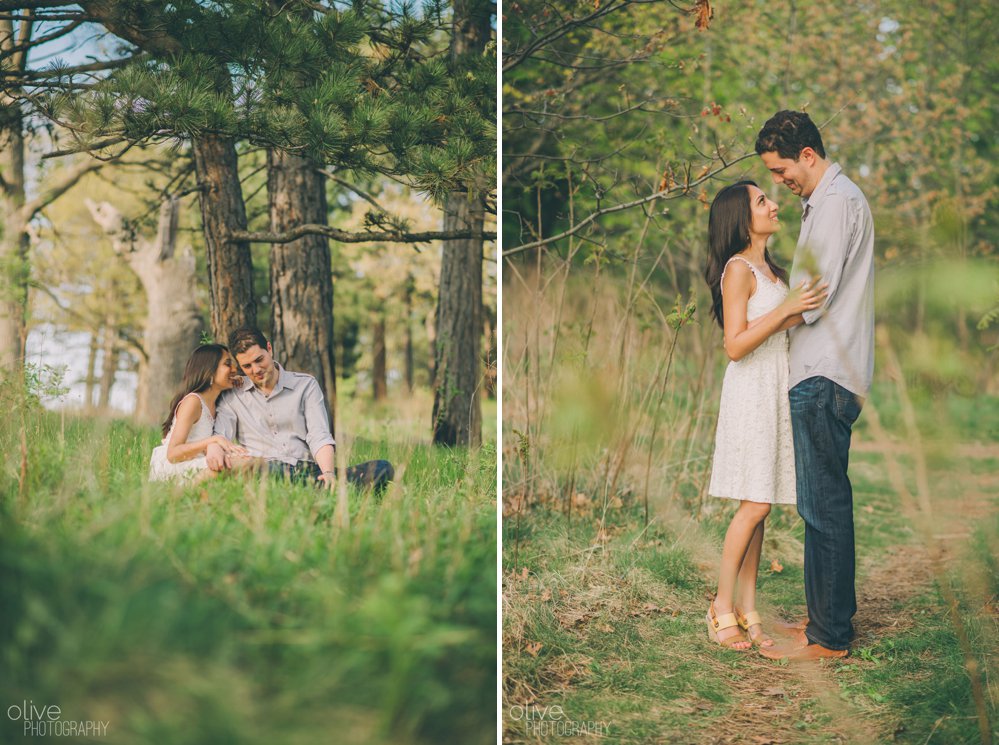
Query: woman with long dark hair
x=187 y=430
x=754 y=452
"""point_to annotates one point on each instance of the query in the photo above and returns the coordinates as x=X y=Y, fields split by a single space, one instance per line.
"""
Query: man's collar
x=819 y=193
x=283 y=381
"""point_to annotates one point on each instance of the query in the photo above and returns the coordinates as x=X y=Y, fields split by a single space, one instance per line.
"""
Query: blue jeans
x=822 y=417
x=374 y=474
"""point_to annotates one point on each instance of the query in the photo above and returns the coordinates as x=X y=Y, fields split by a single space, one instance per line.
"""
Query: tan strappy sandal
x=726 y=621
x=752 y=619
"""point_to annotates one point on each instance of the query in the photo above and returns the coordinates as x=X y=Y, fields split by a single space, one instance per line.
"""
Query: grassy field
x=608 y=623
x=604 y=636
x=247 y=612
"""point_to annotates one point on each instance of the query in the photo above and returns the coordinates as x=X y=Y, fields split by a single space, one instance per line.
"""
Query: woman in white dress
x=187 y=431
x=754 y=453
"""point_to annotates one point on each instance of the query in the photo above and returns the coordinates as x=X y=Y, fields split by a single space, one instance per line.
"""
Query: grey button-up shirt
x=837 y=242
x=289 y=425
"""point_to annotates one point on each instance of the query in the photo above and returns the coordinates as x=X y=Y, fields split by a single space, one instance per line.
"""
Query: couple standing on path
x=801 y=362
x=279 y=420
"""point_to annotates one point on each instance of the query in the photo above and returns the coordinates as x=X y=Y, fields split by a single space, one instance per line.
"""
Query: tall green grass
x=240 y=611
x=611 y=545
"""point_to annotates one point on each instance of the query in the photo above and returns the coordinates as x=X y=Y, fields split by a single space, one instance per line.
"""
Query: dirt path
x=774 y=698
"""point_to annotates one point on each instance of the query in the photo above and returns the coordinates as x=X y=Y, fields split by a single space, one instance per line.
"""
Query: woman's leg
x=738 y=537
x=747 y=582
x=749 y=570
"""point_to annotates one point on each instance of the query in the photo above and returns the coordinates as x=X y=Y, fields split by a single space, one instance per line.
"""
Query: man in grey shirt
x=282 y=419
x=831 y=367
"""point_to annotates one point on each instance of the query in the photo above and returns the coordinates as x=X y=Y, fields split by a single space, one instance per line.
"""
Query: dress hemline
x=757 y=500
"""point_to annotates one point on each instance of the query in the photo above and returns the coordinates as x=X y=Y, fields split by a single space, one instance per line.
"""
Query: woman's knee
x=756 y=511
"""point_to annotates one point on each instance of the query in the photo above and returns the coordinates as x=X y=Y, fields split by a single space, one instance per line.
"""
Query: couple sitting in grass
x=274 y=421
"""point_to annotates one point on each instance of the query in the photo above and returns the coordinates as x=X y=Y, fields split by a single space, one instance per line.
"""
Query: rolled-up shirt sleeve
x=830 y=240
x=225 y=419
x=317 y=422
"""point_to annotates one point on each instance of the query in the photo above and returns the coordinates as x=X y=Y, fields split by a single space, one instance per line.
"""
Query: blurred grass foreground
x=247 y=612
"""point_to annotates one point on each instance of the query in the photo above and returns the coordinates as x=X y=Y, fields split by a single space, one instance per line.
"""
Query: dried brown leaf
x=704 y=14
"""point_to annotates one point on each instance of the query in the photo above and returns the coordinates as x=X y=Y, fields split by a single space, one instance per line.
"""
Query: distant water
x=48 y=345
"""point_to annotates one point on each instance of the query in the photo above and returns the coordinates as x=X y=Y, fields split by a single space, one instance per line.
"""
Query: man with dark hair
x=282 y=418
x=831 y=368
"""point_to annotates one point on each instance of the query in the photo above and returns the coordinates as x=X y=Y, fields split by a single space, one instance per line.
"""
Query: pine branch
x=40 y=17
x=99 y=145
x=132 y=26
x=32 y=75
x=387 y=236
x=14 y=5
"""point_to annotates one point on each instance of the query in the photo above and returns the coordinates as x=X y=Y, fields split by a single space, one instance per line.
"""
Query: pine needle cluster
x=369 y=88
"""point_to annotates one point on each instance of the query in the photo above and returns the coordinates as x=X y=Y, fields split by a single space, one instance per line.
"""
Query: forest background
x=621 y=121
x=170 y=171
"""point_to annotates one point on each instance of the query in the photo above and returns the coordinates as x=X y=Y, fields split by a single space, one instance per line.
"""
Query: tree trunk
x=457 y=416
x=13 y=232
x=457 y=379
x=379 y=382
x=109 y=364
x=88 y=396
x=409 y=333
x=173 y=322
x=301 y=274
x=430 y=327
x=230 y=266
x=490 y=356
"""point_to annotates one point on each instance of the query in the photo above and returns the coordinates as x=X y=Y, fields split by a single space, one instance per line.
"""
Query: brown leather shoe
x=806 y=653
x=790 y=628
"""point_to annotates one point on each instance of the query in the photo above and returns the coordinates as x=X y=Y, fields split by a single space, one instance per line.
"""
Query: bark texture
x=13 y=232
x=230 y=266
x=457 y=415
x=379 y=377
x=173 y=323
x=301 y=274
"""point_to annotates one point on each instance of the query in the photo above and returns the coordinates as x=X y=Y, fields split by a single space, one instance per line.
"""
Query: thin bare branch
x=23 y=45
x=99 y=145
x=344 y=236
x=558 y=32
x=668 y=193
x=66 y=182
x=552 y=114
x=122 y=334
x=356 y=189
x=14 y=5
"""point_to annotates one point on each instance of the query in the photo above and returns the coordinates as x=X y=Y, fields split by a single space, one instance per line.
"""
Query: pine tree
x=457 y=415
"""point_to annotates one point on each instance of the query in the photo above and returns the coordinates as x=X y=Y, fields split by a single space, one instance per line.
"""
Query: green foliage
x=235 y=611
x=365 y=89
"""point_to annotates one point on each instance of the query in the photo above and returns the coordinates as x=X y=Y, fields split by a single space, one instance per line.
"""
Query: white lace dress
x=754 y=452
x=161 y=469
